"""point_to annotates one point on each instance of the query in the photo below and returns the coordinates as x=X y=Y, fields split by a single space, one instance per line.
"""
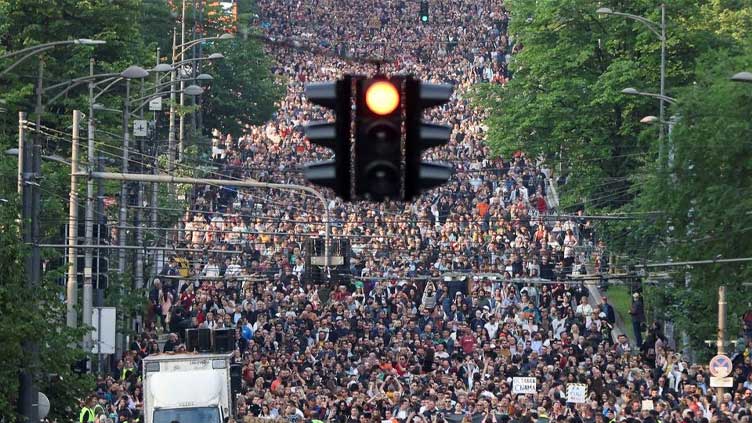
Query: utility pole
x=122 y=236
x=662 y=134
x=89 y=216
x=721 y=342
x=139 y=270
x=72 y=285
x=181 y=131
x=32 y=163
x=155 y=166
x=21 y=152
x=171 y=130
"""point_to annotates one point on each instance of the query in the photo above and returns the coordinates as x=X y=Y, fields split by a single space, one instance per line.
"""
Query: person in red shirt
x=187 y=298
x=468 y=342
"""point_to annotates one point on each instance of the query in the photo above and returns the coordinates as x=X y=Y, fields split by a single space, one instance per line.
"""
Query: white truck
x=187 y=388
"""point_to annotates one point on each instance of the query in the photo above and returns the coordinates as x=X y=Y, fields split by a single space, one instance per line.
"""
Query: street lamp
x=633 y=91
x=171 y=133
x=132 y=72
x=649 y=120
x=181 y=133
x=40 y=48
x=191 y=90
x=178 y=53
x=162 y=67
x=742 y=77
x=660 y=31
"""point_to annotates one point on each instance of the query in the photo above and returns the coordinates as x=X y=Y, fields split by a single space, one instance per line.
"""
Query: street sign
x=140 y=128
x=155 y=105
x=44 y=405
x=721 y=366
x=104 y=340
x=524 y=385
x=577 y=393
x=721 y=382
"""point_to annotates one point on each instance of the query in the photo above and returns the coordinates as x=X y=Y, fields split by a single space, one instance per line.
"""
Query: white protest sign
x=576 y=393
x=524 y=385
x=647 y=405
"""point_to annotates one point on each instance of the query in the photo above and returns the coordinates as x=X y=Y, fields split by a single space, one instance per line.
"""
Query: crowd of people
x=400 y=341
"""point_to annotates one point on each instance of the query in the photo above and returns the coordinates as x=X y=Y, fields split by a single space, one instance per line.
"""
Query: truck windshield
x=187 y=415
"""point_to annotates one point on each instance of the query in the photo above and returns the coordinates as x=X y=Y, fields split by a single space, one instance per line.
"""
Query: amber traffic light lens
x=382 y=98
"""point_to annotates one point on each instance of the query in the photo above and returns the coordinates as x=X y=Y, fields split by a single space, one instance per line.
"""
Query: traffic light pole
x=169 y=179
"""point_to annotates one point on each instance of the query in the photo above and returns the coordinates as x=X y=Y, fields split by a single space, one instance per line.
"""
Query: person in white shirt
x=584 y=308
x=211 y=270
x=558 y=324
x=492 y=326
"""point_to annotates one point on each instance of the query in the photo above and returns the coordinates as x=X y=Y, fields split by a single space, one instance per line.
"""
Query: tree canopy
x=244 y=91
x=565 y=103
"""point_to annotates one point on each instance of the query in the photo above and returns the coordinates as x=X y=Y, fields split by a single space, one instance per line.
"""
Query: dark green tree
x=703 y=194
x=565 y=99
x=34 y=313
x=564 y=102
x=245 y=91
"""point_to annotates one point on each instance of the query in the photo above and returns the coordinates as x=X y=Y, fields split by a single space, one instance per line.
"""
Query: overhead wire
x=428 y=220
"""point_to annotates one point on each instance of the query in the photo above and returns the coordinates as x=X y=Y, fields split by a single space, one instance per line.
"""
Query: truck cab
x=188 y=388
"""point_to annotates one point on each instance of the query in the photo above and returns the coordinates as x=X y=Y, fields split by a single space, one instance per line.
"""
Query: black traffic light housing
x=424 y=11
x=335 y=173
x=379 y=136
x=420 y=175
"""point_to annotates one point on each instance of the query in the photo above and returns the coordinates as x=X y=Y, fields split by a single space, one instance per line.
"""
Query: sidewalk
x=595 y=300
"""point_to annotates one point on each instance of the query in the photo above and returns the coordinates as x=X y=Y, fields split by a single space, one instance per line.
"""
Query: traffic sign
x=155 y=105
x=140 y=128
x=721 y=366
x=721 y=382
x=44 y=405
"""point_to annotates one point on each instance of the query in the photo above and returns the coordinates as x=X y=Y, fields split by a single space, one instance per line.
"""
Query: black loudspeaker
x=223 y=340
x=204 y=339
x=236 y=377
x=191 y=340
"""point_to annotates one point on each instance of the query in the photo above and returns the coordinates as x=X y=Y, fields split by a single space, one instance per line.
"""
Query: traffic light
x=335 y=173
x=424 y=11
x=421 y=175
x=379 y=138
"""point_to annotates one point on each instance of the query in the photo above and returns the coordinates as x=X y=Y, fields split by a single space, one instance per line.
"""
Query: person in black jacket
x=637 y=312
x=608 y=309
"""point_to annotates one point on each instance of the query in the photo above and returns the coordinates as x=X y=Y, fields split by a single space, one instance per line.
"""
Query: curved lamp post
x=633 y=91
x=659 y=30
x=171 y=134
x=742 y=77
x=34 y=50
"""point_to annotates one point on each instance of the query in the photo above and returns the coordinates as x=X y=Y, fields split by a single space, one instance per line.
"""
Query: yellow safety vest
x=128 y=369
x=84 y=410
x=96 y=408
